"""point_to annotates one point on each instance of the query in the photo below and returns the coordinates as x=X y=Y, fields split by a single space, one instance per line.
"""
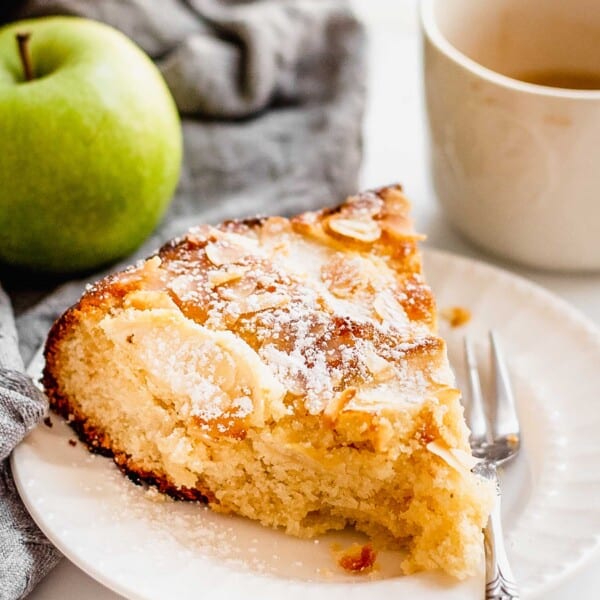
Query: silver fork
x=495 y=439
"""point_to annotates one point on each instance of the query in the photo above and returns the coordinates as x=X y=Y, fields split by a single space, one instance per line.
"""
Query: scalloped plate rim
x=430 y=256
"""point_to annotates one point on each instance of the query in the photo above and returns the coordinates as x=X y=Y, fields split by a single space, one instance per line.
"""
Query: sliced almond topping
x=458 y=459
x=274 y=230
x=362 y=231
x=337 y=404
x=237 y=289
x=380 y=368
x=149 y=270
x=341 y=275
x=217 y=278
x=230 y=248
x=224 y=253
x=153 y=263
x=259 y=302
x=389 y=309
x=282 y=363
x=365 y=205
x=467 y=460
x=148 y=299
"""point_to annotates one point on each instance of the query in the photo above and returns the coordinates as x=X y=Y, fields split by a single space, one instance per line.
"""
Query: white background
x=395 y=151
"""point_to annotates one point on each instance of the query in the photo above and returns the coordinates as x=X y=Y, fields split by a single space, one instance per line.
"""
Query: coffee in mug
x=512 y=92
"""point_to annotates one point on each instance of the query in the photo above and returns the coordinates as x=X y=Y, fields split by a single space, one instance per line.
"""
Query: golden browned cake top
x=332 y=303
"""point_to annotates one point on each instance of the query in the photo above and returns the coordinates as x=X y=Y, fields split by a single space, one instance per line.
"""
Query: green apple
x=90 y=142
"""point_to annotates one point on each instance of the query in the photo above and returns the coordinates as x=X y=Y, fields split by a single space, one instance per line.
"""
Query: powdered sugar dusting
x=318 y=318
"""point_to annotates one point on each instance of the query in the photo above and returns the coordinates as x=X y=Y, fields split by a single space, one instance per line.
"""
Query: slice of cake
x=284 y=370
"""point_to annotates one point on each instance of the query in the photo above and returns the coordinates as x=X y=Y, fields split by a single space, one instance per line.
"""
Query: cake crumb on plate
x=357 y=558
x=457 y=316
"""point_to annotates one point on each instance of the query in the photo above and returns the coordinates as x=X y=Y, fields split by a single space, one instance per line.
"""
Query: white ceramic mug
x=515 y=165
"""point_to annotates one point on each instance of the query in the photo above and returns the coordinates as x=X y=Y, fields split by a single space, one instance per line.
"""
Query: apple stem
x=23 y=42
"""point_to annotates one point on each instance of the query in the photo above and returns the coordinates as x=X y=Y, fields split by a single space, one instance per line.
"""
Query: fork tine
x=475 y=414
x=505 y=421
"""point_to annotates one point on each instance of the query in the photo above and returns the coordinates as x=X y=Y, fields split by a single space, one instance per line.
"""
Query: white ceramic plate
x=145 y=548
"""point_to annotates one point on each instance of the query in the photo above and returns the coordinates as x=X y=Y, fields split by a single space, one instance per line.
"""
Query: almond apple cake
x=286 y=370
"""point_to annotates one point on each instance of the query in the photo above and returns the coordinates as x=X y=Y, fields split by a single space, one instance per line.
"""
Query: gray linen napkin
x=25 y=555
x=272 y=94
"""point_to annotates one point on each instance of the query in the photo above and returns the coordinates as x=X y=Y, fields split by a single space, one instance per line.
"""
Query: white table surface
x=395 y=151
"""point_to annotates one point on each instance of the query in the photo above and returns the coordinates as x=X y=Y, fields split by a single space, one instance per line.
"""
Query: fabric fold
x=25 y=553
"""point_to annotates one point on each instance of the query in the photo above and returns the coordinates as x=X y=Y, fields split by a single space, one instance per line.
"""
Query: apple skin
x=91 y=148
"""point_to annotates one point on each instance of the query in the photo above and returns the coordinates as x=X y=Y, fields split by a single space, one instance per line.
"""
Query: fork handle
x=499 y=581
